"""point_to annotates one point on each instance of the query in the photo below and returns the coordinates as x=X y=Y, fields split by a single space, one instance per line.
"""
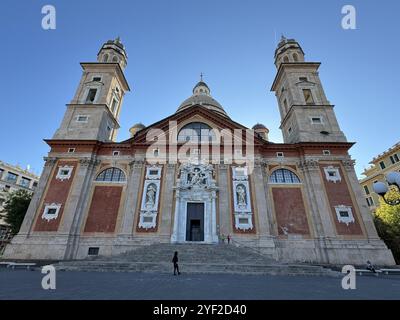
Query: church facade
x=198 y=175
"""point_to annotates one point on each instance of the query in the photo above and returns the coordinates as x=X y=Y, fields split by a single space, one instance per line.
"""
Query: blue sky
x=170 y=42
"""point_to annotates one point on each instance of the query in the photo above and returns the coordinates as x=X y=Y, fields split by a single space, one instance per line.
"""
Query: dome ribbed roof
x=201 y=96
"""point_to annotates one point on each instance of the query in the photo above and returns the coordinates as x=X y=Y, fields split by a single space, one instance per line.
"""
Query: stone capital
x=50 y=161
x=308 y=164
x=136 y=164
x=348 y=164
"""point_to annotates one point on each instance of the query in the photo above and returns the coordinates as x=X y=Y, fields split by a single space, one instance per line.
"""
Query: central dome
x=201 y=96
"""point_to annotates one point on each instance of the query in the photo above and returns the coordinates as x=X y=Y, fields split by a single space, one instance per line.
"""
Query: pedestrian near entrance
x=229 y=239
x=223 y=238
x=175 y=262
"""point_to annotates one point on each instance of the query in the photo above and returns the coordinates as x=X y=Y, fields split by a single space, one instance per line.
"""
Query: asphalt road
x=22 y=284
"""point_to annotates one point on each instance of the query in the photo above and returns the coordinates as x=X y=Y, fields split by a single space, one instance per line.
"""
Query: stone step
x=193 y=268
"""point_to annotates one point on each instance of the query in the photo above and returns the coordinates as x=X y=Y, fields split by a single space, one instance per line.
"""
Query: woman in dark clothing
x=175 y=262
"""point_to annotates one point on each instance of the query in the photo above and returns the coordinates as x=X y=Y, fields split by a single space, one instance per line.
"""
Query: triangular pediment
x=196 y=113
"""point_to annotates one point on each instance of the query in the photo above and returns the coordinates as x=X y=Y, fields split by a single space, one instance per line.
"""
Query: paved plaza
x=21 y=284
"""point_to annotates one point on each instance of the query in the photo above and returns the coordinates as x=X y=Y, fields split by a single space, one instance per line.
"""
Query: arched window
x=295 y=57
x=196 y=131
x=105 y=58
x=111 y=174
x=115 y=59
x=286 y=59
x=283 y=176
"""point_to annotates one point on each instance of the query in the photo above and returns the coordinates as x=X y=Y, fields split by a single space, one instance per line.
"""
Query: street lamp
x=393 y=179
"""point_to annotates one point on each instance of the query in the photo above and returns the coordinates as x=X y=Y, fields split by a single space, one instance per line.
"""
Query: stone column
x=168 y=198
x=29 y=219
x=320 y=209
x=214 y=235
x=77 y=202
x=132 y=200
x=225 y=214
x=261 y=202
x=78 y=194
x=359 y=195
x=174 y=236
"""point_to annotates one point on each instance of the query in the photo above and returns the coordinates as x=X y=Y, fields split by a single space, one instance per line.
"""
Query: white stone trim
x=243 y=226
x=64 y=176
x=46 y=216
x=201 y=188
x=241 y=198
x=156 y=176
x=150 y=198
x=335 y=170
x=347 y=220
x=239 y=173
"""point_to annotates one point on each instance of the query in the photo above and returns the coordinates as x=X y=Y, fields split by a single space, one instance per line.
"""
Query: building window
x=91 y=96
x=382 y=165
x=370 y=202
x=344 y=214
x=303 y=79
x=196 y=132
x=111 y=175
x=396 y=157
x=51 y=211
x=332 y=174
x=12 y=177
x=25 y=182
x=34 y=185
x=285 y=105
x=326 y=152
x=316 y=120
x=105 y=58
x=114 y=105
x=308 y=96
x=284 y=176
x=93 y=251
x=366 y=189
x=280 y=155
x=115 y=59
x=64 y=173
x=71 y=150
x=295 y=57
x=115 y=153
x=290 y=130
x=81 y=118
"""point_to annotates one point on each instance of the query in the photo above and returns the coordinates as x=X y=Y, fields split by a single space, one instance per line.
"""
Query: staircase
x=193 y=258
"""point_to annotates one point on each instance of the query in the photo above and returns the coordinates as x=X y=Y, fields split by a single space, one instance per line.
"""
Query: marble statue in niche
x=151 y=195
x=241 y=195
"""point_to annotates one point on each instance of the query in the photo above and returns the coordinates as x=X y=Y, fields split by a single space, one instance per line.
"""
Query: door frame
x=203 y=219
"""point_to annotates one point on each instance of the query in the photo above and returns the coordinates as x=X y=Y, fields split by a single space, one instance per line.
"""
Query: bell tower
x=306 y=113
x=94 y=111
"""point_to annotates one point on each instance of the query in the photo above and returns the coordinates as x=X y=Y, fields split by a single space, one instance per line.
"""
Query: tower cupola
x=288 y=50
x=113 y=51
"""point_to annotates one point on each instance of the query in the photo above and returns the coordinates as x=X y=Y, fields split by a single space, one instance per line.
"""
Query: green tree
x=15 y=208
x=387 y=222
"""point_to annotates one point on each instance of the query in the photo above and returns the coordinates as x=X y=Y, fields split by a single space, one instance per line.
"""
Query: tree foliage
x=15 y=208
x=387 y=222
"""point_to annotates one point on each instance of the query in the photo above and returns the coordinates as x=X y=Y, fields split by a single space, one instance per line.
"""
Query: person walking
x=229 y=238
x=175 y=262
